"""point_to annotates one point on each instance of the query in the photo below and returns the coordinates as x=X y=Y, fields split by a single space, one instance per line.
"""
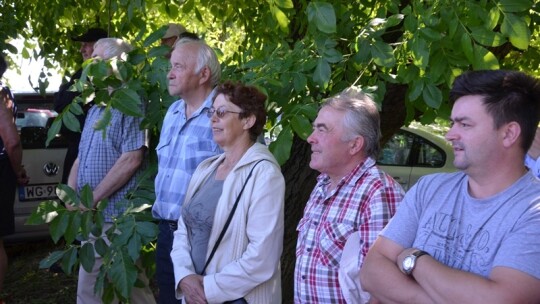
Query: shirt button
x=303 y=277
x=308 y=250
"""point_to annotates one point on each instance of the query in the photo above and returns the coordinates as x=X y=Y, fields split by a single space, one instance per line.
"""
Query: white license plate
x=37 y=192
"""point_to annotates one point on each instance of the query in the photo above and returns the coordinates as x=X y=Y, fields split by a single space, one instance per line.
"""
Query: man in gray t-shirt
x=471 y=236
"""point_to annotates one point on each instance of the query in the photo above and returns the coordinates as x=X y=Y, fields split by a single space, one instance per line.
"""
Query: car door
x=395 y=158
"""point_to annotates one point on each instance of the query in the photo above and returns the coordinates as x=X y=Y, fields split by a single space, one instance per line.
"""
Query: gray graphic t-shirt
x=439 y=216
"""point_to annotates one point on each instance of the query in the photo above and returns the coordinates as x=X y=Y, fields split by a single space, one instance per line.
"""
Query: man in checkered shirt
x=352 y=195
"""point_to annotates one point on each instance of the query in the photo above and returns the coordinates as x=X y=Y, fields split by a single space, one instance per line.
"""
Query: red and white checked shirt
x=363 y=201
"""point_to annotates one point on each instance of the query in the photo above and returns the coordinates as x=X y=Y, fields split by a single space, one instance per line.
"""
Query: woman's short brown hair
x=250 y=100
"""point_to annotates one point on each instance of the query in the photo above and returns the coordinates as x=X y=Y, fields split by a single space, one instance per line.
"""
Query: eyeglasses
x=220 y=112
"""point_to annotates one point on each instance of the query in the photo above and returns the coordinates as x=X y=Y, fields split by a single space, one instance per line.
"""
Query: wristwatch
x=409 y=262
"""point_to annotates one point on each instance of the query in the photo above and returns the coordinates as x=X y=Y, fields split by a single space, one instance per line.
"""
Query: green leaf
x=69 y=259
x=134 y=247
x=493 y=18
x=44 y=213
x=517 y=31
x=415 y=90
x=87 y=197
x=74 y=224
x=53 y=130
x=430 y=34
x=128 y=102
x=420 y=52
x=101 y=247
x=281 y=147
x=484 y=59
x=155 y=36
x=86 y=224
x=432 y=96
x=71 y=122
x=147 y=230
x=284 y=3
x=76 y=108
x=323 y=15
x=514 y=6
x=299 y=82
x=281 y=18
x=59 y=225
x=467 y=47
x=67 y=195
x=53 y=257
x=87 y=256
x=123 y=273
x=322 y=73
x=301 y=126
x=332 y=55
x=159 y=51
x=486 y=37
x=383 y=54
x=104 y=121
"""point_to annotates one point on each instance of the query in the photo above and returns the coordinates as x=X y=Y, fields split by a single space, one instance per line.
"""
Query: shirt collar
x=349 y=180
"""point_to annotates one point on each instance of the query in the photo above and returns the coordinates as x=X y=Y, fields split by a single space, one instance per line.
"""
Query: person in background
x=11 y=169
x=352 y=195
x=246 y=262
x=471 y=236
x=64 y=97
x=109 y=164
x=532 y=158
x=185 y=141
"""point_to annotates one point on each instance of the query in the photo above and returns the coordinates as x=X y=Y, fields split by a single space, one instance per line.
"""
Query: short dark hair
x=508 y=96
x=3 y=65
x=250 y=100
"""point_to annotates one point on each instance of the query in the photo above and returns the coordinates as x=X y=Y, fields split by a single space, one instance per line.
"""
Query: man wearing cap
x=172 y=34
x=64 y=97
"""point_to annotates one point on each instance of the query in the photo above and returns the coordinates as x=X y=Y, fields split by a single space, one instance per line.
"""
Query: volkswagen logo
x=50 y=169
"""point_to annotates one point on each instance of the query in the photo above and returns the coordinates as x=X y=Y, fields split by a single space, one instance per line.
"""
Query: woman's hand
x=193 y=289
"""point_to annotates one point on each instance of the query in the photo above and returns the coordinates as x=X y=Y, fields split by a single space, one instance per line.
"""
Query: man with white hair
x=186 y=140
x=110 y=165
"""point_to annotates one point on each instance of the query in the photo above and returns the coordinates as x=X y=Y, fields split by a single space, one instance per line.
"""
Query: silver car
x=43 y=166
x=413 y=152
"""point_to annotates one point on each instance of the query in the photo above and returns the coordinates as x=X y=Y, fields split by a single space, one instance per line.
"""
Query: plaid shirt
x=184 y=143
x=99 y=153
x=363 y=201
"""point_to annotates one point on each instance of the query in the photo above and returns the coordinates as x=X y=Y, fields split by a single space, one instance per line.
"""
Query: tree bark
x=300 y=180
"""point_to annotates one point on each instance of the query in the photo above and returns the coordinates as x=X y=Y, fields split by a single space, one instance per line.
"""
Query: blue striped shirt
x=99 y=153
x=183 y=144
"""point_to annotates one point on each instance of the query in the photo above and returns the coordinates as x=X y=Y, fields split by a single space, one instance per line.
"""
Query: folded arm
x=434 y=282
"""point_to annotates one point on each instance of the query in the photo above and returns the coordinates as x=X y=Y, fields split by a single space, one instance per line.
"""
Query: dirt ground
x=26 y=283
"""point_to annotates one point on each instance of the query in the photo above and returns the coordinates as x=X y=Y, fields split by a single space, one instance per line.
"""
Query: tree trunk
x=300 y=180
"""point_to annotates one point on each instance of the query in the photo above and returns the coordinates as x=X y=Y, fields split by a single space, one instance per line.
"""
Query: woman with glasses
x=243 y=264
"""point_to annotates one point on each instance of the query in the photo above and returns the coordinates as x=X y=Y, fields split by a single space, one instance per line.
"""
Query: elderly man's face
x=329 y=153
x=86 y=49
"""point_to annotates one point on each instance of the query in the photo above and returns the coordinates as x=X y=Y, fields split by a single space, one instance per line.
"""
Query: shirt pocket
x=332 y=239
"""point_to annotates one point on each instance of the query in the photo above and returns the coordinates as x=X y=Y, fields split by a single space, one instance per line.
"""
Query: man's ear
x=511 y=133
x=356 y=145
x=249 y=121
x=205 y=74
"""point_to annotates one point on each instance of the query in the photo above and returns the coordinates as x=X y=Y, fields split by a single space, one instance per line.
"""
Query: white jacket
x=246 y=263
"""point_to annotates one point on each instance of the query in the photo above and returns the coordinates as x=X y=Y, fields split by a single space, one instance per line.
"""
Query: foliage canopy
x=406 y=54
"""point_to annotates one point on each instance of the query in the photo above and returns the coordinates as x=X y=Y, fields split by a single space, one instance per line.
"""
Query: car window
x=397 y=150
x=33 y=125
x=429 y=155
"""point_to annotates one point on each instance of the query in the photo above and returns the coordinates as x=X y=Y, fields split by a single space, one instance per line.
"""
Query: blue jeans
x=164 y=266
